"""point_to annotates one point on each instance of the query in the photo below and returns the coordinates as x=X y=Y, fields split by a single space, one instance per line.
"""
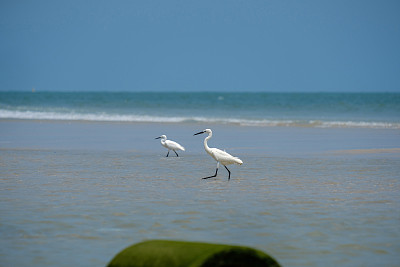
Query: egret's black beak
x=199 y=133
x=158 y=137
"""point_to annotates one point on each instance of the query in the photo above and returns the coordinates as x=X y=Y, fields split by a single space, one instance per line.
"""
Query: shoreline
x=139 y=136
x=240 y=122
x=394 y=150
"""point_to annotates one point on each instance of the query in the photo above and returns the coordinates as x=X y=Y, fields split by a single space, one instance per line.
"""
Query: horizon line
x=34 y=90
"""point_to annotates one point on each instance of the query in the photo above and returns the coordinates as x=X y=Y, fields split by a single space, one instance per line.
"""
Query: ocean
x=370 y=110
x=82 y=176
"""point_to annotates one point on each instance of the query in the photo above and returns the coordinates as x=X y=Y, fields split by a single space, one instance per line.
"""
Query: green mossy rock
x=162 y=253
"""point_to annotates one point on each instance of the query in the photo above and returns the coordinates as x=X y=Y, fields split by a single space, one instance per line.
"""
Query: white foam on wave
x=41 y=115
x=72 y=116
x=356 y=124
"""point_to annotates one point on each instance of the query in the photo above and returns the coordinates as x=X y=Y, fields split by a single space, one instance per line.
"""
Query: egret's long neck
x=205 y=143
x=163 y=140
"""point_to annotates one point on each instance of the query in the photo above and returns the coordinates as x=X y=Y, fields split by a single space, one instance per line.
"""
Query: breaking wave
x=105 y=117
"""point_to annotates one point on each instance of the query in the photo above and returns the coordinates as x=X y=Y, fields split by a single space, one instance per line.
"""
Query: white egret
x=170 y=145
x=219 y=155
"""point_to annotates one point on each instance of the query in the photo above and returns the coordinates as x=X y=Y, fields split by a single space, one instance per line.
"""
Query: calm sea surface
x=81 y=179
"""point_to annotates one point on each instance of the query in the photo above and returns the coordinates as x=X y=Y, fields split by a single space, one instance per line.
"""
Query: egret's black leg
x=176 y=153
x=216 y=171
x=229 y=177
x=167 y=153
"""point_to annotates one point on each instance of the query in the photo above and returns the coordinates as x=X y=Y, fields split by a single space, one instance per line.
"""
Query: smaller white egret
x=170 y=145
x=219 y=155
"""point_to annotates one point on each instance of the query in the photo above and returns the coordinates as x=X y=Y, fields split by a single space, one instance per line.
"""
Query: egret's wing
x=224 y=157
x=222 y=154
x=174 y=145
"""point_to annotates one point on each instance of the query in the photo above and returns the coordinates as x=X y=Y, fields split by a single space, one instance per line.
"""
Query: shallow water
x=303 y=211
x=81 y=205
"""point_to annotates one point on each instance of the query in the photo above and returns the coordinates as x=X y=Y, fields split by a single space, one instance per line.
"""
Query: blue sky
x=284 y=46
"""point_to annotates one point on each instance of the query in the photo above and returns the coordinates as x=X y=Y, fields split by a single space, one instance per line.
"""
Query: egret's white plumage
x=219 y=155
x=170 y=145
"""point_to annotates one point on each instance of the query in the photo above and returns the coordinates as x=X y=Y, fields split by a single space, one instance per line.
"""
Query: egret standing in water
x=219 y=155
x=170 y=145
